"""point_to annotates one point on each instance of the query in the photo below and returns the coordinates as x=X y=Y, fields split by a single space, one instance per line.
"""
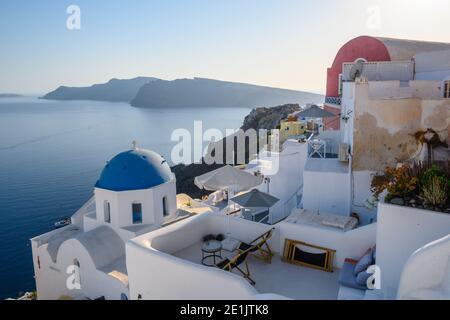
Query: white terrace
x=169 y=259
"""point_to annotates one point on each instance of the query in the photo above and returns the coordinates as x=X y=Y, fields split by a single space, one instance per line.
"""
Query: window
x=447 y=89
x=123 y=296
x=137 y=213
x=165 y=207
x=107 y=211
x=340 y=85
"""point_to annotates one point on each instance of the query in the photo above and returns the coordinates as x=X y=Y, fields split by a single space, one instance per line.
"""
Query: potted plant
x=417 y=185
x=435 y=187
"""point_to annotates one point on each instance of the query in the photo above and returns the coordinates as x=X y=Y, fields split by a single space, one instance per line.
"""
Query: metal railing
x=333 y=100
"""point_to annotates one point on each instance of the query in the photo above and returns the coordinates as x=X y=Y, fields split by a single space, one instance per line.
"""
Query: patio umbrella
x=227 y=177
x=255 y=199
x=315 y=112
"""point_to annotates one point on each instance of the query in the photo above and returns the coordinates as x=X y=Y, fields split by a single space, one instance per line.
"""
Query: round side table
x=211 y=249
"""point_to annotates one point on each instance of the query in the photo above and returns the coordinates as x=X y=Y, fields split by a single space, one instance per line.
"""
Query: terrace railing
x=333 y=100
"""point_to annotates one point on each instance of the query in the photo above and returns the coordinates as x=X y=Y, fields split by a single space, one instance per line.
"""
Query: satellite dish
x=356 y=69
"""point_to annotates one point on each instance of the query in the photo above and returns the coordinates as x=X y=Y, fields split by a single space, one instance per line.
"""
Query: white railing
x=322 y=148
x=382 y=71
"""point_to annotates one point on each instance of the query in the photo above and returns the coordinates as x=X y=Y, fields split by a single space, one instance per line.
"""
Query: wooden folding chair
x=235 y=262
x=261 y=245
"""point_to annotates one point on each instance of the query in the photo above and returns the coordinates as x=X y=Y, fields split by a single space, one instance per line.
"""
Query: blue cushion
x=348 y=279
x=363 y=263
x=362 y=277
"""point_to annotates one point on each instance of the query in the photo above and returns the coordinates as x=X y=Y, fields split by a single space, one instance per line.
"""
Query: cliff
x=259 y=118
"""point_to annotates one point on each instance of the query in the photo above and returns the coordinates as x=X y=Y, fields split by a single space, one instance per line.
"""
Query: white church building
x=135 y=194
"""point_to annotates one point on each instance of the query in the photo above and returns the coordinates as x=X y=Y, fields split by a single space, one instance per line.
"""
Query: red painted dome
x=368 y=48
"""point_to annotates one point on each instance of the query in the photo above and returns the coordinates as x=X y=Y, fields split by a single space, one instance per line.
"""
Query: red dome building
x=370 y=49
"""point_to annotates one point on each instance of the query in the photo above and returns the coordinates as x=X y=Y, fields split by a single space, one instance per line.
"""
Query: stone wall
x=384 y=128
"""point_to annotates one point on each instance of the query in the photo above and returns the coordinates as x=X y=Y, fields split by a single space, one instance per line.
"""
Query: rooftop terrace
x=174 y=256
x=279 y=277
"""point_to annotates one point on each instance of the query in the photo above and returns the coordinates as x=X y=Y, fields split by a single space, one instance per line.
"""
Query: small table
x=211 y=249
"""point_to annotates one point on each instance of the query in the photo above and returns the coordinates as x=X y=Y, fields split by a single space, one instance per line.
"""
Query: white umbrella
x=227 y=177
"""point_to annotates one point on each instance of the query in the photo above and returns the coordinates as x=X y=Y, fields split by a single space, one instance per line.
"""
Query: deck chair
x=235 y=262
x=261 y=245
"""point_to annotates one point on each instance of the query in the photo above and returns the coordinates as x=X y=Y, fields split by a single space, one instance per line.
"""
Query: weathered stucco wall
x=384 y=128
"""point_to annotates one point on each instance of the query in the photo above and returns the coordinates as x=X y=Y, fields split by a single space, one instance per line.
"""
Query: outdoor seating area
x=216 y=252
x=278 y=277
x=238 y=252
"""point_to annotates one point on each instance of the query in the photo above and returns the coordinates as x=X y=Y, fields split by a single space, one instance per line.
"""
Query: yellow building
x=291 y=127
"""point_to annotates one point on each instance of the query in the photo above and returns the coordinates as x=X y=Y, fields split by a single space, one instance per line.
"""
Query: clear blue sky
x=281 y=43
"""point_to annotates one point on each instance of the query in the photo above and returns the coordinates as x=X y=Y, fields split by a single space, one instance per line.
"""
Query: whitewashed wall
x=433 y=65
x=361 y=185
x=327 y=192
x=51 y=277
x=401 y=231
x=287 y=180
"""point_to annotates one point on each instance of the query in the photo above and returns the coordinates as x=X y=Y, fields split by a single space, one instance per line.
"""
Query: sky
x=278 y=43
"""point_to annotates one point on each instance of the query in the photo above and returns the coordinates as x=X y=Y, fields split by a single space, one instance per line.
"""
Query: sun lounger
x=235 y=262
x=261 y=245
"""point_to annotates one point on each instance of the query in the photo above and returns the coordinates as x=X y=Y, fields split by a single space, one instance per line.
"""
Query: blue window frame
x=137 y=213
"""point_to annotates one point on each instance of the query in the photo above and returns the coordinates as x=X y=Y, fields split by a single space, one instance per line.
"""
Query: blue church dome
x=134 y=170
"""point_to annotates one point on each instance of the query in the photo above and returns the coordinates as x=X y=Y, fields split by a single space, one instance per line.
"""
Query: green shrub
x=429 y=175
x=435 y=192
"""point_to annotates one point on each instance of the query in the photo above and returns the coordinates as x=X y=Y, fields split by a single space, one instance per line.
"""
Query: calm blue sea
x=51 y=154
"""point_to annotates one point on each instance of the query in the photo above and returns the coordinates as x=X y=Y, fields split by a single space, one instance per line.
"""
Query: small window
x=447 y=89
x=165 y=207
x=340 y=85
x=137 y=213
x=107 y=212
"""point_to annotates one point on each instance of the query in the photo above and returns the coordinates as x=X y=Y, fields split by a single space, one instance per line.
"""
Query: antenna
x=134 y=144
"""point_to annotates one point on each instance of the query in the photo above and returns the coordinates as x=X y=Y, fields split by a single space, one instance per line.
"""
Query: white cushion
x=230 y=244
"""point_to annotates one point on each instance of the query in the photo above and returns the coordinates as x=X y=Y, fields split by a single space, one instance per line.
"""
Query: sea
x=52 y=153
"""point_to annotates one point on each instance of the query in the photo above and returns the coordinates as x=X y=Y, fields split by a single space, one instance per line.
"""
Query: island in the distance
x=146 y=92
x=10 y=95
x=115 y=90
x=208 y=93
